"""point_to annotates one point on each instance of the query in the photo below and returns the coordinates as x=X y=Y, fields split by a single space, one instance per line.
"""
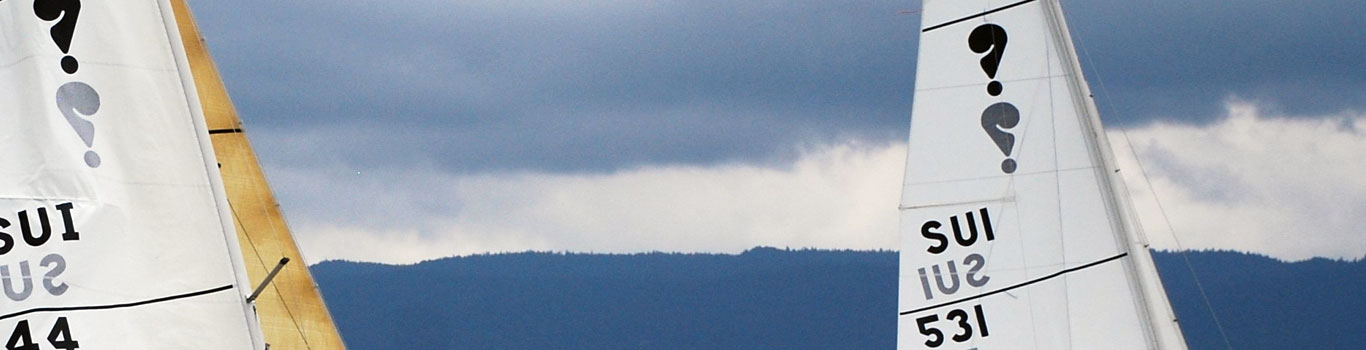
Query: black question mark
x=996 y=119
x=989 y=37
x=68 y=11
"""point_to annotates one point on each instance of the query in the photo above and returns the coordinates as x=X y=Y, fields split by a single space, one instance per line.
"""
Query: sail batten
x=1018 y=285
x=1013 y=235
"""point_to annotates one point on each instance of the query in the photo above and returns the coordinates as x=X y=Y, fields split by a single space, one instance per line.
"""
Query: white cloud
x=842 y=196
x=1291 y=188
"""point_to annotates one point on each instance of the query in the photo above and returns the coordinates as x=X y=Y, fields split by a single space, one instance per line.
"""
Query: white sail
x=1013 y=236
x=112 y=218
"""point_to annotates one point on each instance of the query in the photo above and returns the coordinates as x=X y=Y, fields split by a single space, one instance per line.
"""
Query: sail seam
x=992 y=177
x=1057 y=190
x=946 y=87
x=948 y=204
x=1020 y=285
x=118 y=306
x=998 y=9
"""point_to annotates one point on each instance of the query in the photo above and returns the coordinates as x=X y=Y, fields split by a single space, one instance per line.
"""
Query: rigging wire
x=278 y=294
x=264 y=203
x=1057 y=178
x=1171 y=231
x=1185 y=257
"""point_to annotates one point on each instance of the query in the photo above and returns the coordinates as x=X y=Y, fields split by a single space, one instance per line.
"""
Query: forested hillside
x=775 y=299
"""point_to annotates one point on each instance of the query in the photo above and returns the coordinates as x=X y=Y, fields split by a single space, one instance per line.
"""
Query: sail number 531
x=962 y=321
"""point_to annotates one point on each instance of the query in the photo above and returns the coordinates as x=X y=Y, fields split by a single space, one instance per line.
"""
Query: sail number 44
x=962 y=321
x=59 y=337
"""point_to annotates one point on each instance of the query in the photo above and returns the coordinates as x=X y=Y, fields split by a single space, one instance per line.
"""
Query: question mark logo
x=996 y=120
x=68 y=11
x=75 y=99
x=989 y=37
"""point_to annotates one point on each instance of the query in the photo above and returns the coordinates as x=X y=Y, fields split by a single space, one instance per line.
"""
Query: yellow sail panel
x=292 y=312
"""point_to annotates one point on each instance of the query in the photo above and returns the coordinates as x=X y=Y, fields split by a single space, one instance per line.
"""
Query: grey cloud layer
x=567 y=86
x=1166 y=58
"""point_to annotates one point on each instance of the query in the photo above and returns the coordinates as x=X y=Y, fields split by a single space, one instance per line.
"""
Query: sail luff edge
x=1150 y=296
x=229 y=230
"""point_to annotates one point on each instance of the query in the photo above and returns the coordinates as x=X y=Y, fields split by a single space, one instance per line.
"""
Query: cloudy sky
x=412 y=130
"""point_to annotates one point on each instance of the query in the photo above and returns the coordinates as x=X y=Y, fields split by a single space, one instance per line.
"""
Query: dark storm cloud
x=583 y=86
x=1168 y=58
x=567 y=86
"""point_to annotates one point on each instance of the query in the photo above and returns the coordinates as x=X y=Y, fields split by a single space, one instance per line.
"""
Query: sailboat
x=1016 y=229
x=133 y=212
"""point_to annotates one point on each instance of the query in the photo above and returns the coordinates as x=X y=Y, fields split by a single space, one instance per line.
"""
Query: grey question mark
x=996 y=119
x=76 y=99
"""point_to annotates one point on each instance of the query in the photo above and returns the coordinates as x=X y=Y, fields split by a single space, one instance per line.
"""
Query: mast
x=196 y=107
x=291 y=308
x=1161 y=316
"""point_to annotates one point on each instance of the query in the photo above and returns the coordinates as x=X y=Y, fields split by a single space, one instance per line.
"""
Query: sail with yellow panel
x=291 y=309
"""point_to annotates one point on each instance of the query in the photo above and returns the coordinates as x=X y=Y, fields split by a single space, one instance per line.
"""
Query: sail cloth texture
x=292 y=312
x=111 y=234
x=1011 y=238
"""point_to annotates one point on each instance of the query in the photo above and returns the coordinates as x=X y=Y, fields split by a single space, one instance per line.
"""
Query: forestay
x=111 y=215
x=1012 y=237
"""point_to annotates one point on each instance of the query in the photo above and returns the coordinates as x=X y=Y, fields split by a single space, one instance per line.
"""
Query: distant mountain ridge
x=770 y=298
x=1264 y=303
